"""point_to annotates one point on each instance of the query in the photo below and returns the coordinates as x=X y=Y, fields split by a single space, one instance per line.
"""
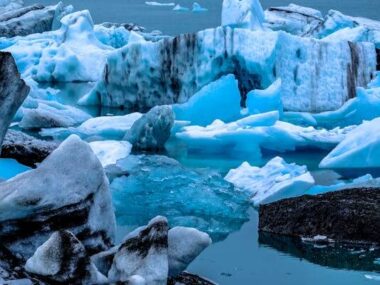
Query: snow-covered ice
x=275 y=181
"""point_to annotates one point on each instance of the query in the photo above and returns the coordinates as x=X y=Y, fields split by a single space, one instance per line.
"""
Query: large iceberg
x=192 y=198
x=217 y=100
x=316 y=75
x=275 y=181
x=13 y=92
x=360 y=150
x=71 y=53
x=259 y=133
x=243 y=14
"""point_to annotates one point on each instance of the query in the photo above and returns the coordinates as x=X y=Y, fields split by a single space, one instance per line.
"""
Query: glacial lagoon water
x=172 y=23
x=244 y=256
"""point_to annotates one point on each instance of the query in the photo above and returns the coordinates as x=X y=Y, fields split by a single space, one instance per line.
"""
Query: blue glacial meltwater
x=10 y=168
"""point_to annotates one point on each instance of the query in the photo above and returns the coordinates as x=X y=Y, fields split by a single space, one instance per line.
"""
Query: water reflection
x=349 y=257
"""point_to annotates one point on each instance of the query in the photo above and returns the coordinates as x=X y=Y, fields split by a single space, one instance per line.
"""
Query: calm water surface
x=171 y=22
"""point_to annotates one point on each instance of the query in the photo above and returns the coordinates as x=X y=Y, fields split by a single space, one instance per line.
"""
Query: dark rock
x=26 y=149
x=344 y=216
x=13 y=92
x=186 y=278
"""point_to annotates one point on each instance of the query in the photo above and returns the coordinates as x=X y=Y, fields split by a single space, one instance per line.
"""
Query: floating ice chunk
x=372 y=277
x=10 y=168
x=243 y=14
x=52 y=115
x=152 y=130
x=198 y=8
x=153 y=3
x=9 y=5
x=180 y=8
x=144 y=252
x=293 y=19
x=275 y=181
x=99 y=128
x=217 y=100
x=364 y=107
x=191 y=198
x=299 y=118
x=364 y=182
x=185 y=244
x=109 y=152
x=257 y=133
x=359 y=150
x=262 y=101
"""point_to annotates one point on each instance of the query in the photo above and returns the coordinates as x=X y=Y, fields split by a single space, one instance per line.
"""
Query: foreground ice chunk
x=275 y=181
x=99 y=128
x=293 y=19
x=258 y=133
x=70 y=187
x=218 y=100
x=144 y=252
x=262 y=101
x=359 y=150
x=52 y=115
x=13 y=92
x=152 y=130
x=109 y=152
x=243 y=14
x=185 y=244
x=157 y=185
x=63 y=258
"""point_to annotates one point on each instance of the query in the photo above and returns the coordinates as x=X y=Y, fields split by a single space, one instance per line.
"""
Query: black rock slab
x=347 y=216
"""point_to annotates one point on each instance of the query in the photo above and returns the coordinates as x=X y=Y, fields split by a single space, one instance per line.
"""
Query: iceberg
x=32 y=19
x=275 y=181
x=63 y=259
x=71 y=53
x=217 y=100
x=13 y=92
x=293 y=19
x=151 y=130
x=263 y=101
x=70 y=187
x=9 y=5
x=153 y=3
x=109 y=152
x=198 y=8
x=259 y=133
x=180 y=8
x=360 y=150
x=243 y=14
x=99 y=128
x=256 y=58
x=190 y=198
x=52 y=116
